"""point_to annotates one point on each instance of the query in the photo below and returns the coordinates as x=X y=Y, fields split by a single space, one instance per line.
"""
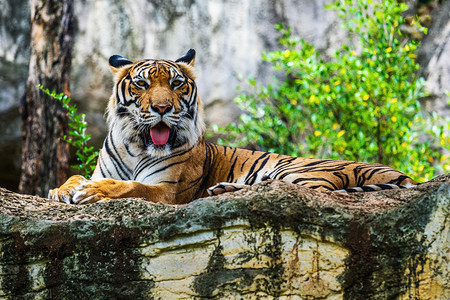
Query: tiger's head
x=155 y=105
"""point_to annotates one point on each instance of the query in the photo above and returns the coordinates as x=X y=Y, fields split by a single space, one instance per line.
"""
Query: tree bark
x=44 y=122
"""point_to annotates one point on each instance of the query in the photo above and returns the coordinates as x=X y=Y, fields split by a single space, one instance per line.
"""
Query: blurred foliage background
x=362 y=103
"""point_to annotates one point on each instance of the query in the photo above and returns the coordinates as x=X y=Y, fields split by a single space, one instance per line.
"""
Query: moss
x=16 y=277
x=97 y=249
x=383 y=246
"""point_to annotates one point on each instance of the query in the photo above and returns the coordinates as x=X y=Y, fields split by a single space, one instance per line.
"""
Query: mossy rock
x=273 y=240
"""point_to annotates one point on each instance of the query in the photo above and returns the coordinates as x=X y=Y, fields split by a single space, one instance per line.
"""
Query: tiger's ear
x=188 y=58
x=117 y=62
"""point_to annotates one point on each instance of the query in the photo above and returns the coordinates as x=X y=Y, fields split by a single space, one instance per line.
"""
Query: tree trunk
x=44 y=122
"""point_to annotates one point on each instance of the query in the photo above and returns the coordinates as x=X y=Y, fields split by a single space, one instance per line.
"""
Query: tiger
x=155 y=147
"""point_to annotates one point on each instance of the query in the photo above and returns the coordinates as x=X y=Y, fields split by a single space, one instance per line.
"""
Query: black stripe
x=165 y=168
x=298 y=169
x=127 y=147
x=251 y=176
x=285 y=161
x=234 y=152
x=298 y=180
x=384 y=186
x=295 y=169
x=343 y=177
x=193 y=97
x=122 y=112
x=115 y=161
x=230 y=176
x=280 y=166
x=399 y=179
x=101 y=171
x=317 y=163
x=172 y=182
x=357 y=177
x=123 y=86
x=127 y=170
x=373 y=172
x=105 y=170
x=366 y=188
x=207 y=169
x=149 y=162
x=361 y=175
x=145 y=164
x=243 y=164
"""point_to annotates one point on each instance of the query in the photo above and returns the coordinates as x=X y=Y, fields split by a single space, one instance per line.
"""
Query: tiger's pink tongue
x=160 y=134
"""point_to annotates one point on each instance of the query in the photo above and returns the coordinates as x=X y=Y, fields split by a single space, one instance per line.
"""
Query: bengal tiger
x=155 y=148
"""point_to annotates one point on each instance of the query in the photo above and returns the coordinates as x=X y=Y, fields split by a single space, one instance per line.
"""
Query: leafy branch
x=78 y=138
x=361 y=103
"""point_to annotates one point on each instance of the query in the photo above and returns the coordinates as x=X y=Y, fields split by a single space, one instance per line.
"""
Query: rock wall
x=434 y=56
x=229 y=37
x=272 y=241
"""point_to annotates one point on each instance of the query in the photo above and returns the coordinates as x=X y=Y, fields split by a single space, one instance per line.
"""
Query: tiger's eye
x=141 y=82
x=176 y=83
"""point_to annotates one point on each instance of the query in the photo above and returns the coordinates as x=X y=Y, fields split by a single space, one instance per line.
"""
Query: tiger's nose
x=161 y=109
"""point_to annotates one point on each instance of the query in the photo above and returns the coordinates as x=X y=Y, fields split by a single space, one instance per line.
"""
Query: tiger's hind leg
x=224 y=187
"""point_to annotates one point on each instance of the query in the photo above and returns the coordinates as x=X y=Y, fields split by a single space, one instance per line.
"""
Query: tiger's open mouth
x=157 y=135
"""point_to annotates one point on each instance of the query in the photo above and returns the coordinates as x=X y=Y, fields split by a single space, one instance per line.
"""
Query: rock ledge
x=273 y=240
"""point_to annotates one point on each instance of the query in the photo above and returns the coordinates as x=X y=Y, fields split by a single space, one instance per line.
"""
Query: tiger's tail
x=376 y=187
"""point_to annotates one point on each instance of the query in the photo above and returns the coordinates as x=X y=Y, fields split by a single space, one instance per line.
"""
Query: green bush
x=360 y=104
x=78 y=138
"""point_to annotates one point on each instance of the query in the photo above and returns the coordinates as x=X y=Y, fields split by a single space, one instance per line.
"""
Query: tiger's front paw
x=78 y=190
x=66 y=192
x=224 y=187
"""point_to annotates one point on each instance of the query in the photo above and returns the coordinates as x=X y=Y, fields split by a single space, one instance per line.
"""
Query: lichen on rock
x=272 y=240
